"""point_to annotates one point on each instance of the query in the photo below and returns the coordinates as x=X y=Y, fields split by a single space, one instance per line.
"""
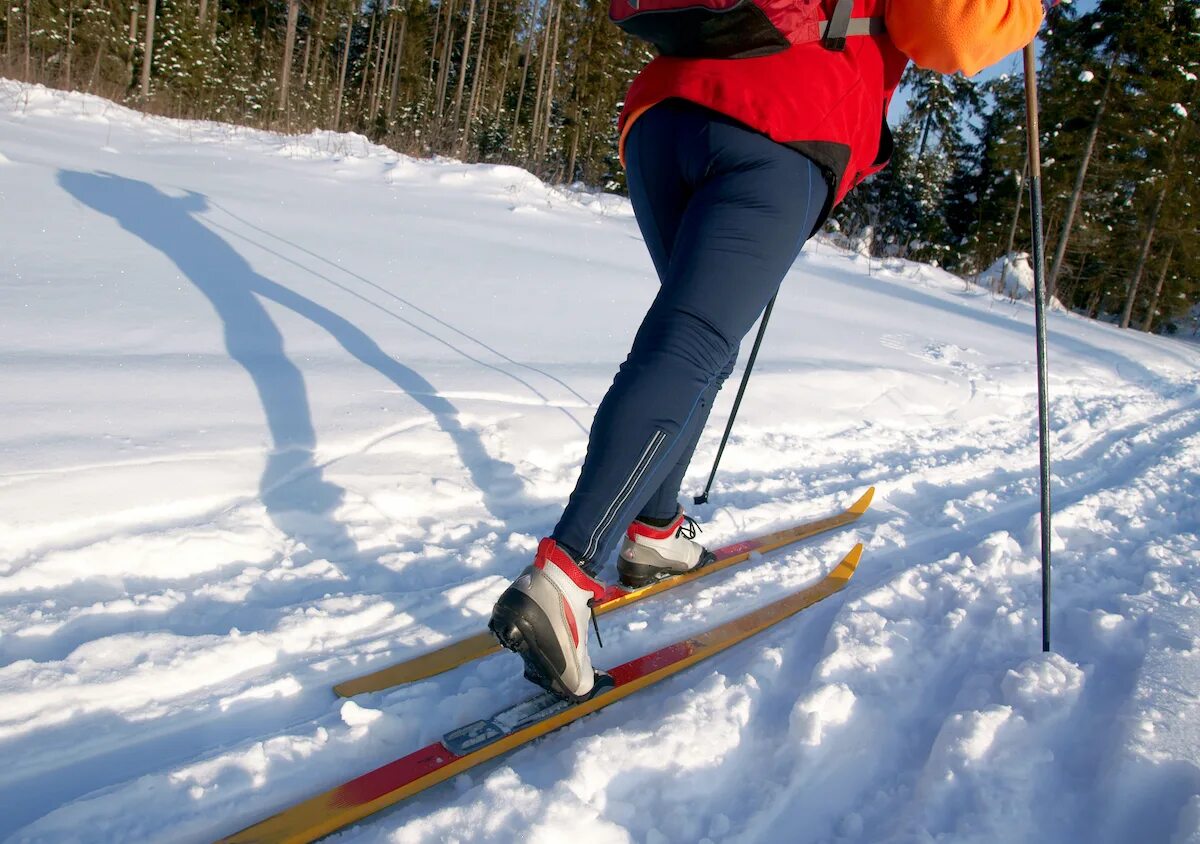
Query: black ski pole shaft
x=1039 y=286
x=702 y=498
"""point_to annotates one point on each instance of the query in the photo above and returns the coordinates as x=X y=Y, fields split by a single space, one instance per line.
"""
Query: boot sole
x=513 y=630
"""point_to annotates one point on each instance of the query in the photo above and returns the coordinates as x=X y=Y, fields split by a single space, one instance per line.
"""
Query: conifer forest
x=538 y=84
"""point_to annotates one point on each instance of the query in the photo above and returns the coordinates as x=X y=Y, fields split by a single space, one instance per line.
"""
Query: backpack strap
x=833 y=32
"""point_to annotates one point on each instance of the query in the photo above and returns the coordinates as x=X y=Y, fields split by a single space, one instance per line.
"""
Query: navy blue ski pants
x=724 y=212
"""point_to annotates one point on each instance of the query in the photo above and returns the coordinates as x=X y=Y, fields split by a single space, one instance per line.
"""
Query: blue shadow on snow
x=299 y=499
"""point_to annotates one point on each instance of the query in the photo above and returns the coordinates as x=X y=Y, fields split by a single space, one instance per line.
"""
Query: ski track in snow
x=200 y=539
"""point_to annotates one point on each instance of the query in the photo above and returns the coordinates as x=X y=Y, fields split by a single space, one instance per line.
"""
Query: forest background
x=539 y=83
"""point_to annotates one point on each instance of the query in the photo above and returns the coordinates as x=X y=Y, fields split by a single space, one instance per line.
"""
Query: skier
x=732 y=164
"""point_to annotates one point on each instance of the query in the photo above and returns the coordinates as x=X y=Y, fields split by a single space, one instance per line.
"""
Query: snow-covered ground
x=277 y=411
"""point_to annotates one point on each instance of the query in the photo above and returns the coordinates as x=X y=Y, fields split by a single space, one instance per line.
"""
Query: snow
x=281 y=410
x=1010 y=275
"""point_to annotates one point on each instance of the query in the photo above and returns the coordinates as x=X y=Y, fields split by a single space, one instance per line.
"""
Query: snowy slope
x=279 y=410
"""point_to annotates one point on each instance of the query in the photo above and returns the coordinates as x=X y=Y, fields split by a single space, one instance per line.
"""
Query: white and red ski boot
x=652 y=553
x=543 y=616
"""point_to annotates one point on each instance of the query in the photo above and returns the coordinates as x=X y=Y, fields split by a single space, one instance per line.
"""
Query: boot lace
x=689 y=528
x=595 y=625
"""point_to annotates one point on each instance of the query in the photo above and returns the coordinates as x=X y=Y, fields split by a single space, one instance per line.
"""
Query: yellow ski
x=482 y=644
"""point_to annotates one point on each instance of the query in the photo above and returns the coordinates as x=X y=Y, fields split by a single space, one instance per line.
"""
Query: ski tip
x=845 y=569
x=864 y=501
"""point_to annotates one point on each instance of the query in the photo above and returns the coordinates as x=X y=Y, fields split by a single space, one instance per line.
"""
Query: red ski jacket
x=832 y=105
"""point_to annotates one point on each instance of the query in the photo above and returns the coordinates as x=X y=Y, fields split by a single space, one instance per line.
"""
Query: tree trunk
x=589 y=154
x=444 y=68
x=385 y=52
x=70 y=40
x=535 y=125
x=395 y=92
x=570 y=172
x=437 y=24
x=29 y=17
x=315 y=37
x=308 y=39
x=550 y=86
x=8 y=31
x=473 y=108
x=524 y=70
x=456 y=111
x=148 y=55
x=1060 y=249
x=503 y=81
x=91 y=87
x=577 y=118
x=477 y=79
x=133 y=26
x=289 y=45
x=202 y=13
x=1067 y=294
x=928 y=124
x=1132 y=288
x=366 y=65
x=341 y=88
x=580 y=81
x=1162 y=278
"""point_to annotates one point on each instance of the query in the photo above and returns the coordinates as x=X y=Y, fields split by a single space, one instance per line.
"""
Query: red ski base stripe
x=738 y=548
x=648 y=664
x=373 y=785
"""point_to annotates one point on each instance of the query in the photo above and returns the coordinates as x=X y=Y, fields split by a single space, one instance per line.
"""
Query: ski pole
x=702 y=498
x=1039 y=311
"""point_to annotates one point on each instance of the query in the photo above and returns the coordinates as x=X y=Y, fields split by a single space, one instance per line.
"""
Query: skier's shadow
x=299 y=499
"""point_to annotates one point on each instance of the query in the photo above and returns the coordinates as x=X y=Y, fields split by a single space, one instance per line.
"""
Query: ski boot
x=543 y=617
x=651 y=553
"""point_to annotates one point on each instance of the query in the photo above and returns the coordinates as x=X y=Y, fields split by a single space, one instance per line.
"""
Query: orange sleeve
x=967 y=35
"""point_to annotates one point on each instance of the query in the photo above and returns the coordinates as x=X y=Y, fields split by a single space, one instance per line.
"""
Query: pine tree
x=1000 y=186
